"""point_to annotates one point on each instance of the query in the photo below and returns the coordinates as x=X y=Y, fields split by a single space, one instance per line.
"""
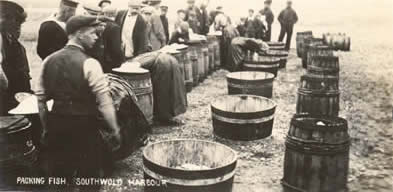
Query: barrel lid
x=250 y=75
x=10 y=123
x=130 y=69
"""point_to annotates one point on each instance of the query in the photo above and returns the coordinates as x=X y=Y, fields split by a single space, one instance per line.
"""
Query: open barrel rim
x=190 y=174
x=335 y=123
x=270 y=76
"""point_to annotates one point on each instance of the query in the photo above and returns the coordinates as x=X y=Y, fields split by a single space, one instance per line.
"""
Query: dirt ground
x=365 y=103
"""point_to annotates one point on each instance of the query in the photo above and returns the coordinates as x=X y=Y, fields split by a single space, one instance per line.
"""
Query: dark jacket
x=287 y=17
x=267 y=12
x=16 y=68
x=140 y=36
x=165 y=24
x=259 y=29
x=51 y=38
x=204 y=20
x=242 y=30
x=176 y=36
x=250 y=28
x=108 y=50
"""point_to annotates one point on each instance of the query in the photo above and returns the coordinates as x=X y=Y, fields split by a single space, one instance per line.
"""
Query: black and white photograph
x=196 y=95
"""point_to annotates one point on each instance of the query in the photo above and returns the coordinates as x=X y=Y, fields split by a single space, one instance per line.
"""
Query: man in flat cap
x=287 y=19
x=14 y=67
x=104 y=3
x=80 y=92
x=157 y=35
x=133 y=30
x=52 y=36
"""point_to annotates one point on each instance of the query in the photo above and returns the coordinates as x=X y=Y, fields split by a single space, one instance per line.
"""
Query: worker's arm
x=158 y=29
x=100 y=88
x=42 y=107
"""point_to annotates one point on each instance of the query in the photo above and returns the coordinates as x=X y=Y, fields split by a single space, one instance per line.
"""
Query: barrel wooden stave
x=193 y=55
x=17 y=152
x=320 y=153
x=143 y=88
x=324 y=66
x=282 y=55
x=337 y=41
x=188 y=78
x=243 y=117
x=205 y=51
x=300 y=41
x=161 y=161
x=211 y=47
x=240 y=83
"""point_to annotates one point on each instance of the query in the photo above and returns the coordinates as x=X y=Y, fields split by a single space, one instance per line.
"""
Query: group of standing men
x=259 y=26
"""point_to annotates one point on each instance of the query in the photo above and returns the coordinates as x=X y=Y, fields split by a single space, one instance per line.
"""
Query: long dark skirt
x=169 y=92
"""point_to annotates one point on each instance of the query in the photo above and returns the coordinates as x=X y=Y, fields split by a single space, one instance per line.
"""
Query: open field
x=366 y=83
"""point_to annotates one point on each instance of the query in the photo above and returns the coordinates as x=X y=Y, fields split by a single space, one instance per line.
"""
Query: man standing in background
x=192 y=16
x=250 y=27
x=164 y=20
x=52 y=36
x=204 y=18
x=157 y=32
x=133 y=30
x=269 y=18
x=287 y=19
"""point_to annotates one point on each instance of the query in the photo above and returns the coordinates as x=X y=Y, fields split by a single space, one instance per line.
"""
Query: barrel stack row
x=317 y=144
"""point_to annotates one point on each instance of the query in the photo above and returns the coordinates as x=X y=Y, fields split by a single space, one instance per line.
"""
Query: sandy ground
x=366 y=83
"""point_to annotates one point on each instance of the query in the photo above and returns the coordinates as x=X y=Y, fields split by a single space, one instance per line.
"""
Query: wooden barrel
x=318 y=96
x=300 y=37
x=17 y=152
x=187 y=70
x=251 y=82
x=193 y=56
x=205 y=52
x=201 y=60
x=217 y=53
x=338 y=41
x=255 y=62
x=134 y=126
x=316 y=155
x=282 y=55
x=276 y=45
x=189 y=166
x=315 y=49
x=243 y=117
x=212 y=49
x=324 y=66
x=141 y=85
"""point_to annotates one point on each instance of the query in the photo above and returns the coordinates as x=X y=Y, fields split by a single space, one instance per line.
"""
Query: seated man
x=238 y=51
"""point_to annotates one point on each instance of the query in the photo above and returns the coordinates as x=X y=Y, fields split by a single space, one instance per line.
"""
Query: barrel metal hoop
x=246 y=86
x=293 y=188
x=317 y=147
x=243 y=121
x=185 y=182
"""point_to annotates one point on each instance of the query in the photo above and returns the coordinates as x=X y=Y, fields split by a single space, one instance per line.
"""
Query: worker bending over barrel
x=80 y=92
x=238 y=51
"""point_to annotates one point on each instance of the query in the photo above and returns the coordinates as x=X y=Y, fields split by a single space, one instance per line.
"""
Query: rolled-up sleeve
x=97 y=82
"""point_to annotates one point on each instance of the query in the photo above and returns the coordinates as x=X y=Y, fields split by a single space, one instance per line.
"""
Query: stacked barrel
x=317 y=144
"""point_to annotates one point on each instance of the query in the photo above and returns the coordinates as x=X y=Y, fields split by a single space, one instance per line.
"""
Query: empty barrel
x=318 y=96
x=316 y=154
x=255 y=62
x=324 y=66
x=243 y=117
x=251 y=83
x=189 y=166
x=300 y=41
x=315 y=48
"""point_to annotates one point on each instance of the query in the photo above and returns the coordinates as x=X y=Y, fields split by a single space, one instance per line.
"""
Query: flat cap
x=104 y=1
x=70 y=3
x=80 y=21
x=92 y=9
x=10 y=6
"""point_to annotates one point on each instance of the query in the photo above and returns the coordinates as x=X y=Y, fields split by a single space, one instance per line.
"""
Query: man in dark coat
x=250 y=24
x=52 y=36
x=133 y=27
x=193 y=16
x=204 y=18
x=80 y=93
x=269 y=16
x=287 y=19
x=164 y=20
x=241 y=28
x=259 y=26
x=13 y=60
